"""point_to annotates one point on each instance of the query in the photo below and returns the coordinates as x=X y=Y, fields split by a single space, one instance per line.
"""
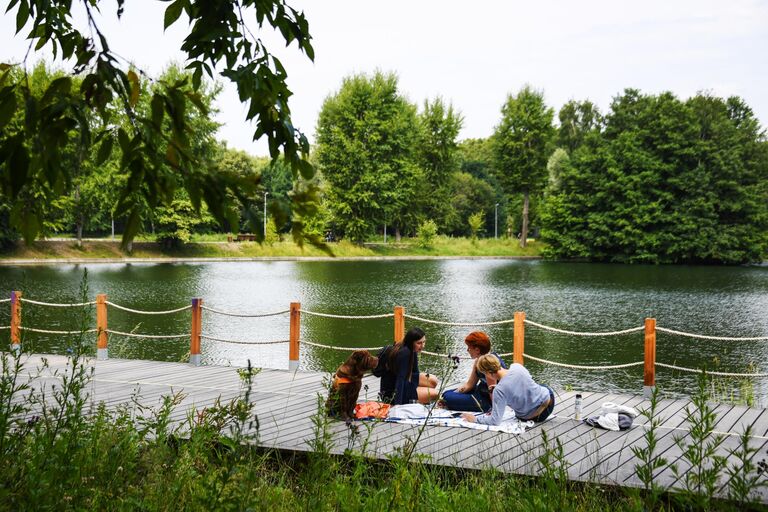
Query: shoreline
x=83 y=261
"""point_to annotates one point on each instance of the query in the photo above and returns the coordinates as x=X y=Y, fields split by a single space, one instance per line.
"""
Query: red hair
x=480 y=340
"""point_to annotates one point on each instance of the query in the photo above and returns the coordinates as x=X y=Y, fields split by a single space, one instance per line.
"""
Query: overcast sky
x=473 y=55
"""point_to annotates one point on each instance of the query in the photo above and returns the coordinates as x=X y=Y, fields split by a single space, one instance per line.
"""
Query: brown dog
x=346 y=384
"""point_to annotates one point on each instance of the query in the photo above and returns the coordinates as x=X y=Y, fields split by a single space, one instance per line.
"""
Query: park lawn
x=108 y=249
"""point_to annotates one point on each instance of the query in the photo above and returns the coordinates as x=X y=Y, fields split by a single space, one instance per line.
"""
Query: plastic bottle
x=577 y=407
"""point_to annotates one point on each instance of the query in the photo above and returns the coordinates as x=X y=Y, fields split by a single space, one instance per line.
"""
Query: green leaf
x=172 y=13
x=105 y=150
x=8 y=105
x=133 y=78
x=22 y=15
x=157 y=110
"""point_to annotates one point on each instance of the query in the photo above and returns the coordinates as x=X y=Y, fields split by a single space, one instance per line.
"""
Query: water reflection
x=729 y=301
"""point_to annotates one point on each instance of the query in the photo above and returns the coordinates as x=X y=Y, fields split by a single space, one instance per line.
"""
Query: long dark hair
x=413 y=335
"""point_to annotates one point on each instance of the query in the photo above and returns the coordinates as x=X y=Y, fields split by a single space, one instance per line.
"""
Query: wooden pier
x=285 y=402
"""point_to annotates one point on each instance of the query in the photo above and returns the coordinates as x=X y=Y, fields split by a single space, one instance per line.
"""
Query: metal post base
x=15 y=347
x=101 y=354
x=648 y=391
x=293 y=366
x=195 y=359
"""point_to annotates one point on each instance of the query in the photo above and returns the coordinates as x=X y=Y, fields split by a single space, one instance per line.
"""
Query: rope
x=575 y=333
x=44 y=331
x=585 y=367
x=719 y=374
x=151 y=336
x=351 y=317
x=51 y=304
x=148 y=312
x=331 y=347
x=703 y=337
x=245 y=315
x=458 y=324
x=5 y=300
x=4 y=327
x=205 y=336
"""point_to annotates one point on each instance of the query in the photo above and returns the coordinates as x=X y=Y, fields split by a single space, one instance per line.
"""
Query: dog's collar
x=343 y=380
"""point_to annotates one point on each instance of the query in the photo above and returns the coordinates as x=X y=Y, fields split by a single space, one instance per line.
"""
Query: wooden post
x=399 y=323
x=295 y=333
x=15 y=320
x=197 y=323
x=101 y=327
x=649 y=376
x=518 y=346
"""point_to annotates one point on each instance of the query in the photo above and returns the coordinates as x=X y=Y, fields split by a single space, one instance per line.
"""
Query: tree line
x=654 y=180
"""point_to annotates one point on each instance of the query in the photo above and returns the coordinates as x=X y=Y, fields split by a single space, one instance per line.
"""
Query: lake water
x=719 y=301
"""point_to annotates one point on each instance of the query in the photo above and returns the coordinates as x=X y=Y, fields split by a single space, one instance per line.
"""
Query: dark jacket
x=396 y=388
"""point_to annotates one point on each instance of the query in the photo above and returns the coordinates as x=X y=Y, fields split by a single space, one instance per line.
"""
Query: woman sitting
x=402 y=383
x=515 y=388
x=473 y=395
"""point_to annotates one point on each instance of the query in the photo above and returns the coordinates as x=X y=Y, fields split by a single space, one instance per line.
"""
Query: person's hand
x=469 y=417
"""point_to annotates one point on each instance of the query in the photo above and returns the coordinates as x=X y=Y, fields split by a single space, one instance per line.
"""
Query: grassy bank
x=106 y=249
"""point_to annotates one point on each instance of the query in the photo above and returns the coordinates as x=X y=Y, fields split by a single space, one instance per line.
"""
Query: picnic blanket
x=417 y=414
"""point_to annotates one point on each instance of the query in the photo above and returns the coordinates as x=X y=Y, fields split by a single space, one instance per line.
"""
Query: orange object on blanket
x=371 y=410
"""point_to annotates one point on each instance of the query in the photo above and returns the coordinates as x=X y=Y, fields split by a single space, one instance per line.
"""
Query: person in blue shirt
x=473 y=395
x=515 y=388
x=402 y=383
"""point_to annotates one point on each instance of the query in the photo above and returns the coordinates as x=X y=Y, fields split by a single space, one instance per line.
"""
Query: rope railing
x=294 y=342
x=142 y=312
x=458 y=324
x=245 y=315
x=148 y=336
x=578 y=333
x=239 y=342
x=333 y=347
x=583 y=366
x=55 y=305
x=347 y=317
x=705 y=337
x=719 y=374
x=46 y=331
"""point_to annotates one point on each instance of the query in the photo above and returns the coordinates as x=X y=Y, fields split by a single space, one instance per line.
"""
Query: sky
x=474 y=54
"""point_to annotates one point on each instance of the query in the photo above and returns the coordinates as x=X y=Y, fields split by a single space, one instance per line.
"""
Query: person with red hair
x=473 y=395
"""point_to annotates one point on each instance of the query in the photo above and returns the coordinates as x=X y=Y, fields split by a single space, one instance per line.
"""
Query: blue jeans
x=456 y=401
x=546 y=412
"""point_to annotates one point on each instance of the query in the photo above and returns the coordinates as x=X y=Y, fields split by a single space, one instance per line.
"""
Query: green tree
x=469 y=195
x=366 y=136
x=577 y=119
x=476 y=225
x=666 y=182
x=520 y=146
x=438 y=156
x=156 y=159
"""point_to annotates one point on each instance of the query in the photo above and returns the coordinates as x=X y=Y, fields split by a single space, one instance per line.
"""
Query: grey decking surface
x=286 y=401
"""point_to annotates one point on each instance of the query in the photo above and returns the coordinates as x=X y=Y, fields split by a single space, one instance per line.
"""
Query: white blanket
x=417 y=414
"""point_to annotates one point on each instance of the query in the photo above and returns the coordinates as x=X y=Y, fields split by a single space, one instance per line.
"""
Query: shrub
x=427 y=233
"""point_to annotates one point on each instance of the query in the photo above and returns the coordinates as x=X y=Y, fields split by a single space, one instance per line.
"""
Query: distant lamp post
x=496 y=222
x=265 y=214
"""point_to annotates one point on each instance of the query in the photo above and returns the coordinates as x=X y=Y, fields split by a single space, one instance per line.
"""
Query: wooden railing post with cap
x=294 y=334
x=101 y=327
x=15 y=320
x=399 y=323
x=518 y=346
x=197 y=323
x=649 y=375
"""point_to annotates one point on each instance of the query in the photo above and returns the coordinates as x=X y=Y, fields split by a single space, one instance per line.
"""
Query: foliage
x=366 y=134
x=154 y=147
x=666 y=182
x=426 y=234
x=176 y=223
x=469 y=195
x=577 y=119
x=476 y=224
x=438 y=156
x=521 y=144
